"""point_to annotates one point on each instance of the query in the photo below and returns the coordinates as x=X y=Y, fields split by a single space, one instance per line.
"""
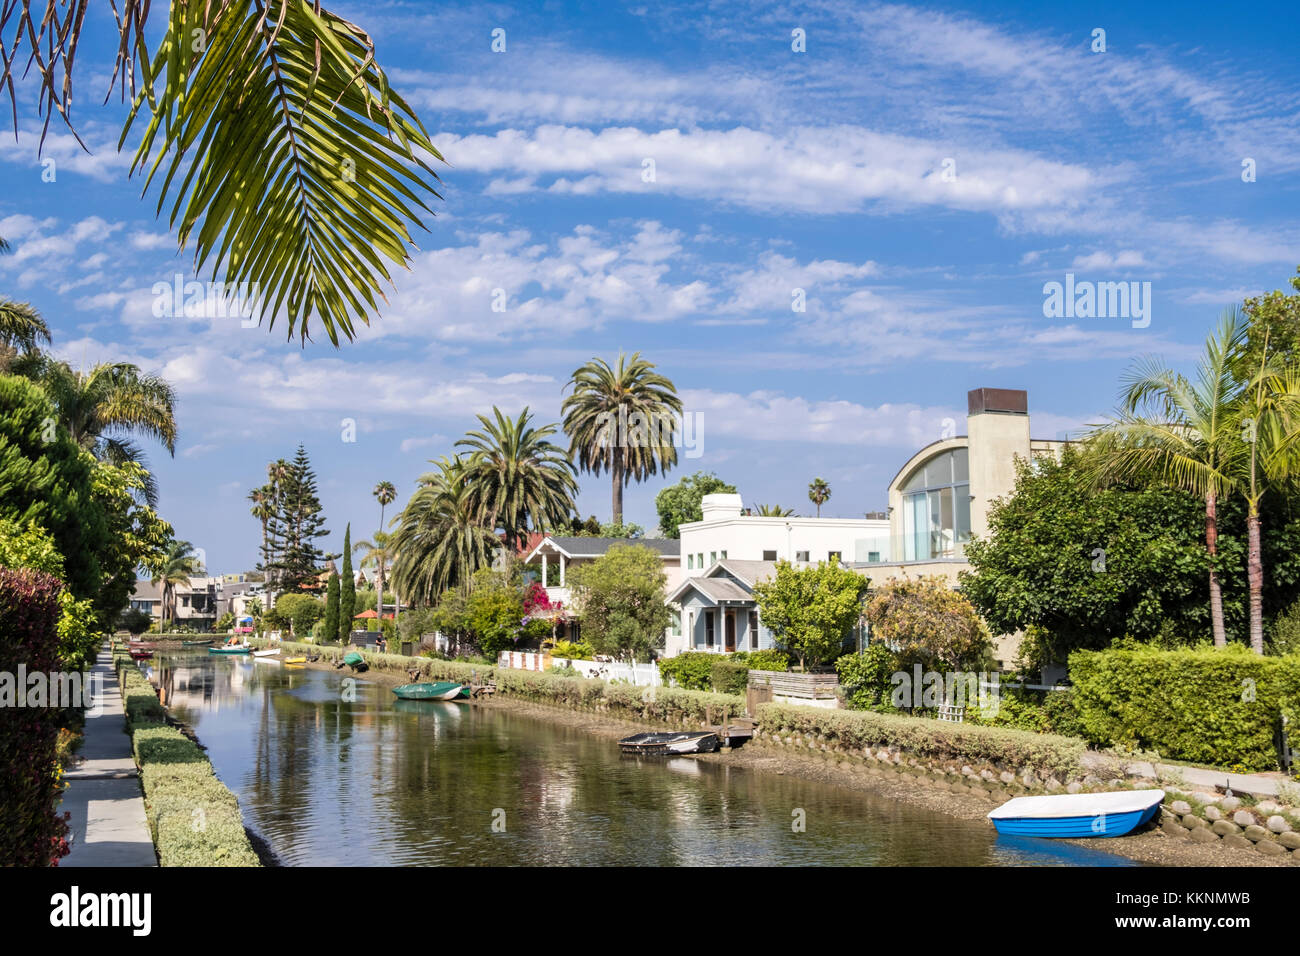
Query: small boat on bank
x=270 y=652
x=295 y=660
x=438 y=690
x=1077 y=814
x=670 y=744
x=231 y=649
x=355 y=661
x=196 y=643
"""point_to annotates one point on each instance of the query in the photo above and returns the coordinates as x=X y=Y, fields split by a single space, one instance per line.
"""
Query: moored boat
x=355 y=661
x=1077 y=814
x=671 y=744
x=437 y=690
x=295 y=660
x=196 y=643
x=270 y=652
x=231 y=649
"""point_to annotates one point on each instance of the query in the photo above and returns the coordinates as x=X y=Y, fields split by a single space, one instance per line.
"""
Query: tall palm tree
x=105 y=408
x=621 y=420
x=440 y=541
x=516 y=477
x=174 y=567
x=21 y=329
x=385 y=493
x=772 y=511
x=262 y=510
x=377 y=554
x=819 y=492
x=1185 y=432
x=313 y=220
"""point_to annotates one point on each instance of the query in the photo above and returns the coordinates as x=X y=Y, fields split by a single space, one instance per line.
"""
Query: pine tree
x=347 y=590
x=295 y=525
x=331 y=628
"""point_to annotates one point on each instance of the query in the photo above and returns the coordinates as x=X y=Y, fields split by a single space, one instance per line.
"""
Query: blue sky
x=826 y=171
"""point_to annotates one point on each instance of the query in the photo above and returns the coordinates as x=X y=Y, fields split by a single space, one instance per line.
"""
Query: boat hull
x=1101 y=825
x=230 y=650
x=444 y=690
x=668 y=745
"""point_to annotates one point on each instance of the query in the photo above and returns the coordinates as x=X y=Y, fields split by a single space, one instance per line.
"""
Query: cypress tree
x=330 y=630
x=347 y=589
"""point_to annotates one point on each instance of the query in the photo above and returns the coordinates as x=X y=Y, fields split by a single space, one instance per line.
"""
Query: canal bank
x=959 y=797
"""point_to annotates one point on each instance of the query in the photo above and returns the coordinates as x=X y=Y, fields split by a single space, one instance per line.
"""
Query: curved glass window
x=936 y=508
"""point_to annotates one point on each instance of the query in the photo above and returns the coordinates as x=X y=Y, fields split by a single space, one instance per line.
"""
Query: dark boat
x=355 y=661
x=670 y=744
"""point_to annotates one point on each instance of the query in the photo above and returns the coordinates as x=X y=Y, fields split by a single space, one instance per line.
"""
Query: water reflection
x=329 y=781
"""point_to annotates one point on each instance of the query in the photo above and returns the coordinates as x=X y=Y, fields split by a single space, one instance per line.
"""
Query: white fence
x=642 y=675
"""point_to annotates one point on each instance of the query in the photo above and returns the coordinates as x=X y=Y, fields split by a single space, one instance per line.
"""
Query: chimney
x=1005 y=401
x=713 y=507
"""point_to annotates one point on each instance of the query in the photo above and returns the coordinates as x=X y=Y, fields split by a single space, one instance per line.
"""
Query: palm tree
x=262 y=510
x=21 y=330
x=439 y=541
x=385 y=493
x=378 y=555
x=819 y=492
x=772 y=511
x=1184 y=432
x=313 y=220
x=104 y=408
x=175 y=566
x=516 y=477
x=621 y=420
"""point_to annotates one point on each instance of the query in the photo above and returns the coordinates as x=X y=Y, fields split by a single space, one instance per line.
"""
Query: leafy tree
x=819 y=492
x=620 y=597
x=136 y=537
x=332 y=601
x=301 y=610
x=284 y=153
x=1274 y=318
x=629 y=530
x=47 y=478
x=866 y=677
x=619 y=419
x=494 y=611
x=135 y=621
x=516 y=478
x=681 y=503
x=347 y=590
x=923 y=619
x=811 y=611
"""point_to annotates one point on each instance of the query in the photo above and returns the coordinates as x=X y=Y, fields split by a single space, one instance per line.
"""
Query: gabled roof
x=727 y=581
x=583 y=547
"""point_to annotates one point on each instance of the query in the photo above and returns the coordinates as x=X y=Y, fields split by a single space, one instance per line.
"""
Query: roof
x=717 y=588
x=583 y=547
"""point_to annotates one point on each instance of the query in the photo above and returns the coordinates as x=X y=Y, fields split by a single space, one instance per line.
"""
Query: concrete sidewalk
x=108 y=826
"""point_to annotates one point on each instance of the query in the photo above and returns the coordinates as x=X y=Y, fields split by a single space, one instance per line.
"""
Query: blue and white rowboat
x=1077 y=814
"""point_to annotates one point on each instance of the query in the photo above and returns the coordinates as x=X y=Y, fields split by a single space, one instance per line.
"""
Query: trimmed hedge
x=193 y=817
x=924 y=737
x=32 y=833
x=669 y=705
x=1218 y=706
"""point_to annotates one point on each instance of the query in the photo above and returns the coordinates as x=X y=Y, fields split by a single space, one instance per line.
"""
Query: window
x=674 y=622
x=690 y=562
x=753 y=629
x=801 y=556
x=699 y=560
x=708 y=628
x=724 y=555
x=834 y=556
x=936 y=508
x=769 y=555
x=713 y=558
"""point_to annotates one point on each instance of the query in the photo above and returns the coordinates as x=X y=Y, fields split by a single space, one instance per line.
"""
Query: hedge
x=193 y=817
x=429 y=667
x=32 y=833
x=924 y=737
x=1218 y=706
x=670 y=705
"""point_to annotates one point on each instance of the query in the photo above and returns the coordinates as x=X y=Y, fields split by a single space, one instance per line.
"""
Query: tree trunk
x=1255 y=578
x=1216 y=591
x=616 y=473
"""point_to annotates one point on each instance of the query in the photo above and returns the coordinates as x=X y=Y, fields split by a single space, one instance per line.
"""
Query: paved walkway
x=108 y=826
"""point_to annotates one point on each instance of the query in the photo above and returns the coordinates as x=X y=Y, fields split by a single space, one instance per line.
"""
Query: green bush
x=729 y=676
x=927 y=738
x=772 y=659
x=1217 y=706
x=573 y=650
x=865 y=678
x=690 y=670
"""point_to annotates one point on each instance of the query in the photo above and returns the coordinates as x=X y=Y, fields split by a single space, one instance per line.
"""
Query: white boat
x=666 y=744
x=1077 y=814
x=267 y=653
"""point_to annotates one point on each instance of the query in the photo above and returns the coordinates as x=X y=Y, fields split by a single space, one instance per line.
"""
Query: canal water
x=374 y=781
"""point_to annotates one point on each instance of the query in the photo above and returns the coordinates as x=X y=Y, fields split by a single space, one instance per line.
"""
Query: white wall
x=745 y=538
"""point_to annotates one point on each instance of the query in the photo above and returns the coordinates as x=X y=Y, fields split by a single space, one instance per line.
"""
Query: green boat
x=355 y=661
x=442 y=690
x=236 y=649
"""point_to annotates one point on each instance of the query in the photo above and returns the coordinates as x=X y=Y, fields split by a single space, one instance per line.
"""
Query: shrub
x=1217 y=706
x=31 y=831
x=729 y=676
x=865 y=678
x=573 y=650
x=934 y=739
x=772 y=659
x=690 y=670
